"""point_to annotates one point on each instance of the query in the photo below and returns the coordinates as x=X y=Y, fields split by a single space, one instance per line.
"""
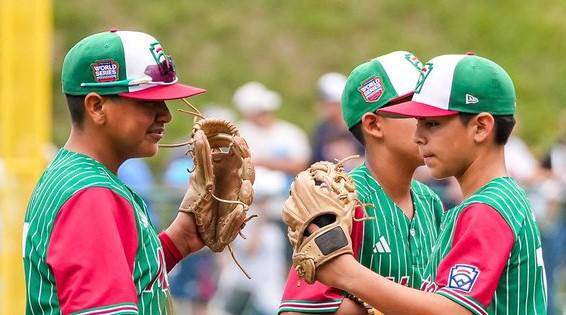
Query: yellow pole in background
x=25 y=129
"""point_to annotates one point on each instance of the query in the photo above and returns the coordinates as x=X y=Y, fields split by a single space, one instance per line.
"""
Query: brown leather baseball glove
x=325 y=195
x=220 y=190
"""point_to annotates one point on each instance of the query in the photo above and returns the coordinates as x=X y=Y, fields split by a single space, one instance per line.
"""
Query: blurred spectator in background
x=557 y=157
x=262 y=254
x=275 y=144
x=547 y=199
x=548 y=196
x=137 y=175
x=519 y=160
x=331 y=138
x=193 y=281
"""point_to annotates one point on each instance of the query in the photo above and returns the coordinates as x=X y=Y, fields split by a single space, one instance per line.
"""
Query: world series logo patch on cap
x=371 y=89
x=463 y=277
x=106 y=70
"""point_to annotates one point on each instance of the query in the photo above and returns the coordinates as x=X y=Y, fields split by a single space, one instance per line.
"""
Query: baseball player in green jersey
x=89 y=247
x=398 y=242
x=488 y=257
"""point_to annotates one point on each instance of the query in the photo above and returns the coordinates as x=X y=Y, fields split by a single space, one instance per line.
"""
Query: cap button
x=113 y=30
x=470 y=53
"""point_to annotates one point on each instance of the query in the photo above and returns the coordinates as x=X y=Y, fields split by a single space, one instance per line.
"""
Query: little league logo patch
x=106 y=70
x=371 y=89
x=463 y=277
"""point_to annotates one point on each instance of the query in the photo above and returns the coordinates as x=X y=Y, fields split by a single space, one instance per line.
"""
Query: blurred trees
x=287 y=45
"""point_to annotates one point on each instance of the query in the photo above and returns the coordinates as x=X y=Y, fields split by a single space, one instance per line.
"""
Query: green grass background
x=287 y=45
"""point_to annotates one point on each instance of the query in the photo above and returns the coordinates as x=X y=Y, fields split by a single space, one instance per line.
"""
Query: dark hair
x=503 y=125
x=76 y=108
x=356 y=131
x=76 y=104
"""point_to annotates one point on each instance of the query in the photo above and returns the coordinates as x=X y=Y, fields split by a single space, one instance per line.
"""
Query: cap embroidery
x=470 y=99
x=371 y=89
x=425 y=71
x=414 y=61
x=106 y=70
x=157 y=52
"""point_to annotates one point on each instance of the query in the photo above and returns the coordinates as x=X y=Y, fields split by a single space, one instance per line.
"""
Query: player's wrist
x=183 y=234
x=356 y=272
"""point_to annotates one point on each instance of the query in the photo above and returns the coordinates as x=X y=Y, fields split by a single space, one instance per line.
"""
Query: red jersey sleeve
x=301 y=297
x=481 y=244
x=170 y=251
x=92 y=251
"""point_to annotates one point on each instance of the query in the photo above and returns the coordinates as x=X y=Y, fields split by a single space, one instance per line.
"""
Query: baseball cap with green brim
x=129 y=64
x=452 y=84
x=377 y=83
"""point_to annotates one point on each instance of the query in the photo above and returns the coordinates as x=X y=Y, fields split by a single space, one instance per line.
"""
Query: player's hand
x=184 y=234
x=332 y=272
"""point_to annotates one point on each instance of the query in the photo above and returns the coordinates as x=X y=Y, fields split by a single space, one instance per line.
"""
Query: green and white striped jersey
x=488 y=256
x=392 y=245
x=58 y=265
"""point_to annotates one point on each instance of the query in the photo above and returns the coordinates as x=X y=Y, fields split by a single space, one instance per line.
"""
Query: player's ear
x=483 y=126
x=372 y=124
x=94 y=108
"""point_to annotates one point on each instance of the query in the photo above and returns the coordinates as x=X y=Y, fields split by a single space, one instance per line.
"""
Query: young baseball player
x=488 y=257
x=397 y=243
x=89 y=247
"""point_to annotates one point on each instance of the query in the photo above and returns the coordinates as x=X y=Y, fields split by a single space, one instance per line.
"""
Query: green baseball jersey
x=488 y=255
x=392 y=245
x=89 y=247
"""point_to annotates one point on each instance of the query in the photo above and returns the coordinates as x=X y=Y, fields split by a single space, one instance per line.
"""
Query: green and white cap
x=379 y=82
x=452 y=84
x=129 y=64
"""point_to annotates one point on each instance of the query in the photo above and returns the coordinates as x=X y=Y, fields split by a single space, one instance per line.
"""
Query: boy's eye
x=431 y=123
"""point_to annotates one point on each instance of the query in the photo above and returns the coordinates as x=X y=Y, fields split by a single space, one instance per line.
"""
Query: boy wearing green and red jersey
x=488 y=257
x=89 y=247
x=407 y=213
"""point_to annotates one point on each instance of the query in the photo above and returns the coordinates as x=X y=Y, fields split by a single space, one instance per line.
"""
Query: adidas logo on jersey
x=470 y=99
x=381 y=246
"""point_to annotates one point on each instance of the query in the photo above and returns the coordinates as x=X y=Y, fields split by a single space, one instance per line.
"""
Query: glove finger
x=323 y=166
x=241 y=150
x=203 y=157
x=246 y=192
x=240 y=147
x=231 y=224
x=321 y=178
x=248 y=170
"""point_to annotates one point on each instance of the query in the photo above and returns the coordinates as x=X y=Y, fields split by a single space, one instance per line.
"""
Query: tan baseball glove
x=220 y=189
x=323 y=194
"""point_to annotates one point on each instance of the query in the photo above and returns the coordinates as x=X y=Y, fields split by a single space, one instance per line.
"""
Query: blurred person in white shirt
x=331 y=138
x=274 y=143
x=262 y=253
